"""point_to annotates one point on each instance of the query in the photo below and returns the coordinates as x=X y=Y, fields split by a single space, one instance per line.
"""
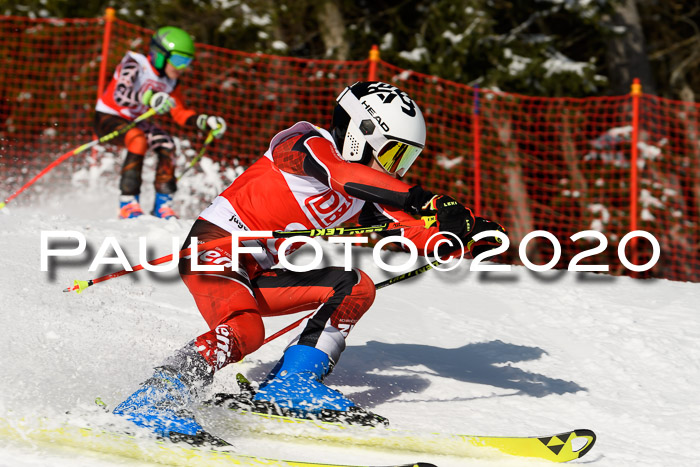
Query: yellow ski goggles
x=397 y=157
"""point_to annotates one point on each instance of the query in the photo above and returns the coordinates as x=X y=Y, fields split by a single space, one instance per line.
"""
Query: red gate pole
x=373 y=60
x=636 y=92
x=476 y=135
x=109 y=19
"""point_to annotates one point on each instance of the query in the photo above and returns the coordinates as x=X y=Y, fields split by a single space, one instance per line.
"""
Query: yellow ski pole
x=210 y=138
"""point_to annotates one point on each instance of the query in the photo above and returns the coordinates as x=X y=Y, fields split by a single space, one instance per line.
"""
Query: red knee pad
x=135 y=141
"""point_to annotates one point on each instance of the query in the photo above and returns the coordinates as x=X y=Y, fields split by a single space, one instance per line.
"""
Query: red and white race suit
x=132 y=78
x=300 y=183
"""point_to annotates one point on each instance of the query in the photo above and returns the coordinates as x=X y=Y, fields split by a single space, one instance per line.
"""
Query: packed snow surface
x=500 y=353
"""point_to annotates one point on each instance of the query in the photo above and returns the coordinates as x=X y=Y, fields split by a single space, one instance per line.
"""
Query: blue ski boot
x=295 y=386
x=163 y=206
x=161 y=404
x=129 y=207
x=294 y=389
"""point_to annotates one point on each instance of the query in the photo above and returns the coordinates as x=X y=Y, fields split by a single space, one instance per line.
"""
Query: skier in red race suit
x=140 y=83
x=308 y=178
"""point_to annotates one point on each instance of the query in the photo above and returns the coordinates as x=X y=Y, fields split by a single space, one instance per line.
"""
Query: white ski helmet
x=375 y=119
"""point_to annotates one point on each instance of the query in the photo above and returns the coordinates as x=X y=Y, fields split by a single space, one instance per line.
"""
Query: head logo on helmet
x=171 y=45
x=387 y=93
x=378 y=120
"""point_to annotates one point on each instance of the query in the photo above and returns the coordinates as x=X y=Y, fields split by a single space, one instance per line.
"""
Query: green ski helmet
x=171 y=45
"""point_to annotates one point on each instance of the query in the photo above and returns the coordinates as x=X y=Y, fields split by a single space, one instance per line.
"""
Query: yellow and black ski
x=562 y=447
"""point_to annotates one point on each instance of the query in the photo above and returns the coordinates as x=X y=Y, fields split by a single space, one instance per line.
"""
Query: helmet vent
x=354 y=147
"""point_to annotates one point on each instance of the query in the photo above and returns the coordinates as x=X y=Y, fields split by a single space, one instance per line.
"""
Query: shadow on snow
x=413 y=365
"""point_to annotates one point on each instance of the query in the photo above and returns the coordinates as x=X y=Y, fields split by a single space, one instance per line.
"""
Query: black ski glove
x=451 y=216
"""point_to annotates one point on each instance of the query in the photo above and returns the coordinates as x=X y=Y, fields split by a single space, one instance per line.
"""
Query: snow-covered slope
x=519 y=353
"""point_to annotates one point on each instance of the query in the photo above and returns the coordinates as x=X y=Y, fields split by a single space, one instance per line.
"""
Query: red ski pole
x=79 y=286
x=287 y=329
x=78 y=150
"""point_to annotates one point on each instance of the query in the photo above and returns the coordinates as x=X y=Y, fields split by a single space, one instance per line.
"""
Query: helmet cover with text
x=378 y=120
x=171 y=45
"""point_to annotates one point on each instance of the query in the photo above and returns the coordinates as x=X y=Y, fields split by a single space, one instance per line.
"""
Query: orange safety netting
x=48 y=82
x=559 y=165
